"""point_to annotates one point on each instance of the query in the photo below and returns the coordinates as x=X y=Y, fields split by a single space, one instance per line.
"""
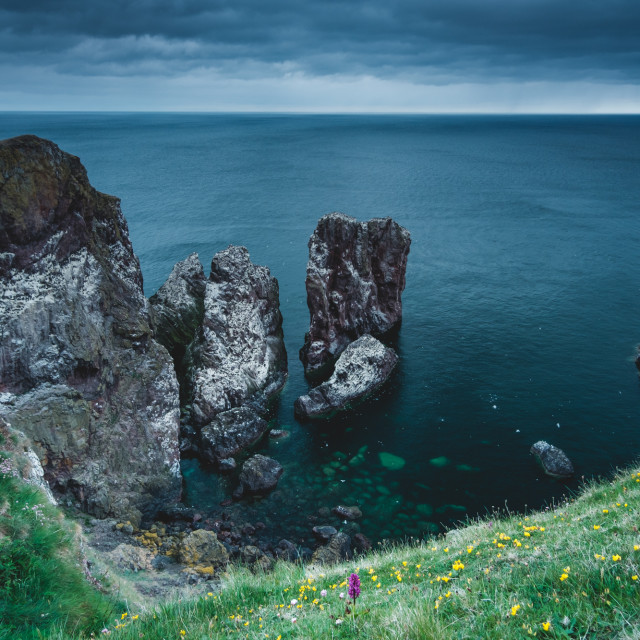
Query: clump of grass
x=42 y=585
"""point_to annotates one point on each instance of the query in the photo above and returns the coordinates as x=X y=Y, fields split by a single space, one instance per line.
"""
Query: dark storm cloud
x=437 y=40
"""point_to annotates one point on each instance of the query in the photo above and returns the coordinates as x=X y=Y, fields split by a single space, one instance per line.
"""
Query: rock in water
x=80 y=372
x=229 y=433
x=554 y=461
x=361 y=368
x=355 y=279
x=259 y=475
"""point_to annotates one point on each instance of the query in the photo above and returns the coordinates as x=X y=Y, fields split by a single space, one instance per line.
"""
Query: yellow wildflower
x=514 y=609
x=546 y=625
x=615 y=557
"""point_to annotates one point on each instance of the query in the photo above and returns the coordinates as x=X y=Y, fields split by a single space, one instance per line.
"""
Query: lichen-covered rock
x=241 y=358
x=554 y=461
x=230 y=432
x=80 y=372
x=355 y=278
x=203 y=548
x=131 y=558
x=336 y=550
x=259 y=475
x=361 y=368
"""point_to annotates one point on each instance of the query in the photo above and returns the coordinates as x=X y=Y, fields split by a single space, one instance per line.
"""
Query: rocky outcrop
x=229 y=433
x=225 y=334
x=554 y=461
x=355 y=279
x=361 y=368
x=259 y=475
x=80 y=372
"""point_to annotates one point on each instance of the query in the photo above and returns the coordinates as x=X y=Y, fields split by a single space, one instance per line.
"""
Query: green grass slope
x=568 y=572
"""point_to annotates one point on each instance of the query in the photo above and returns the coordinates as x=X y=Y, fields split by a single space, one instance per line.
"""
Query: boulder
x=336 y=550
x=355 y=278
x=229 y=433
x=554 y=461
x=324 y=532
x=361 y=368
x=259 y=475
x=256 y=558
x=82 y=375
x=203 y=548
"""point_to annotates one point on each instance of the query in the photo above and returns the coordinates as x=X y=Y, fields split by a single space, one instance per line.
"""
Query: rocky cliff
x=80 y=373
x=355 y=279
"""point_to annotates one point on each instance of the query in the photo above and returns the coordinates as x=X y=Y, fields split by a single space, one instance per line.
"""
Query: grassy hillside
x=43 y=583
x=568 y=572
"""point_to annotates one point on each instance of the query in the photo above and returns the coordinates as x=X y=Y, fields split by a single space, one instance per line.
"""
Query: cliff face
x=355 y=279
x=80 y=373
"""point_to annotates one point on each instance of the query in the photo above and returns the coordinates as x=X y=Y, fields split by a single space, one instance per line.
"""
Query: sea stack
x=355 y=278
x=80 y=373
x=225 y=333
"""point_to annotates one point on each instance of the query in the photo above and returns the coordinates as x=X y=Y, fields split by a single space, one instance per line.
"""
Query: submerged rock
x=554 y=461
x=361 y=368
x=355 y=279
x=259 y=475
x=81 y=373
x=347 y=513
x=231 y=432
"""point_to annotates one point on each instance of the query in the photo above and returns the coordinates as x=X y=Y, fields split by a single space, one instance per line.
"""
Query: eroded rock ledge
x=355 y=278
x=80 y=372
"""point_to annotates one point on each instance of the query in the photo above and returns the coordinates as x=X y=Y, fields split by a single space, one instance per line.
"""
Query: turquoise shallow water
x=522 y=306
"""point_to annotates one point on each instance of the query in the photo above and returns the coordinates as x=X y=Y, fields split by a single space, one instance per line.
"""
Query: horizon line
x=320 y=113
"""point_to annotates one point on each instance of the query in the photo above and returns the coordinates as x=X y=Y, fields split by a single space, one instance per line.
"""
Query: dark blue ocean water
x=522 y=306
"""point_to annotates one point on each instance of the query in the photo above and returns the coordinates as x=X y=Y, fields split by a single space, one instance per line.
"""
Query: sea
x=521 y=313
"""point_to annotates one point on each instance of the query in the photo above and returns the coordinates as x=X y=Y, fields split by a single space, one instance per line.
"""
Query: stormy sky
x=321 y=55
